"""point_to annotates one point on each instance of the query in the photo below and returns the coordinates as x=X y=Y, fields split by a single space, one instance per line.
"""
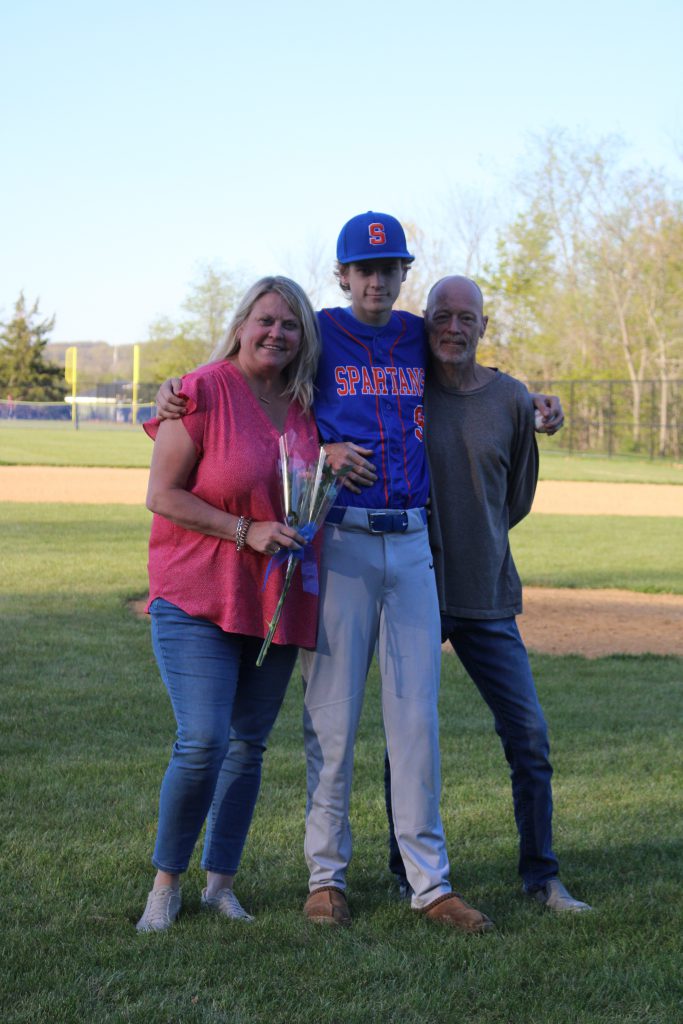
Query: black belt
x=379 y=521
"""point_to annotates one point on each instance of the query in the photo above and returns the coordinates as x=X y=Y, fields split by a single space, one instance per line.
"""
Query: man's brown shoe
x=327 y=906
x=450 y=909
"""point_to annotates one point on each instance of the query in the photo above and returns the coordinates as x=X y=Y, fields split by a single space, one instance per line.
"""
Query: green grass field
x=129 y=446
x=630 y=552
x=622 y=469
x=63 y=446
x=86 y=735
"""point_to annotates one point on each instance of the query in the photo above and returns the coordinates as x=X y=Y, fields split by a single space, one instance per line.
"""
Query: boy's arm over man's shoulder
x=524 y=461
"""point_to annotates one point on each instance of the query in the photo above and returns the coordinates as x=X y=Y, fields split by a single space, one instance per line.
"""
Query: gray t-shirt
x=483 y=461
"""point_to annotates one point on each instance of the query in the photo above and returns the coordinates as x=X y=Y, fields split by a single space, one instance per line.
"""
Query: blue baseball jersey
x=370 y=388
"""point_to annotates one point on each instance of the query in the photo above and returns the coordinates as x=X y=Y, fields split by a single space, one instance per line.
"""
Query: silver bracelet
x=243 y=524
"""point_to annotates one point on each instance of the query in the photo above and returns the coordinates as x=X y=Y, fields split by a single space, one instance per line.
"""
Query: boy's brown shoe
x=450 y=909
x=327 y=906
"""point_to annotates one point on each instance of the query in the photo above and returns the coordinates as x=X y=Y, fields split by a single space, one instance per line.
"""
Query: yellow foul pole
x=136 y=380
x=71 y=376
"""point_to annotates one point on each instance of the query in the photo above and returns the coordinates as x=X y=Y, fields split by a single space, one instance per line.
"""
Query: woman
x=215 y=492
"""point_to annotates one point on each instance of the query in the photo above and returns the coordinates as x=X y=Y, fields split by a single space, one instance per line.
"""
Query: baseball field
x=87 y=731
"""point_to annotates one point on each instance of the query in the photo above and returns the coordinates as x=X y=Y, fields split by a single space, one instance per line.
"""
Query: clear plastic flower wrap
x=308 y=492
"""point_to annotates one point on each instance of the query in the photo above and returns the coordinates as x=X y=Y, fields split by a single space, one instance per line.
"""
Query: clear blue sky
x=142 y=139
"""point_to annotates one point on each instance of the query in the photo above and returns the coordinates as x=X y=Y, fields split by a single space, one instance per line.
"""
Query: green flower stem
x=291 y=566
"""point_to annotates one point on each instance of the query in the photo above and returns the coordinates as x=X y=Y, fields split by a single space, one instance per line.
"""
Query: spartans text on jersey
x=379 y=380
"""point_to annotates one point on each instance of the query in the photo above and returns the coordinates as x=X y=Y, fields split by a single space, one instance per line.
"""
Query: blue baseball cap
x=372 y=236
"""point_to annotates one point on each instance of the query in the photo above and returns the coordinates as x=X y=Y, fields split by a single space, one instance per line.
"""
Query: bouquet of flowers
x=308 y=492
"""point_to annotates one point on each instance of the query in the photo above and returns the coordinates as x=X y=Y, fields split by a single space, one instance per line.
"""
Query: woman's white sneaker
x=163 y=906
x=224 y=901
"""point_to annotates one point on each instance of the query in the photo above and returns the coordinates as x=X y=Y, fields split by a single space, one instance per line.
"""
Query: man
x=479 y=427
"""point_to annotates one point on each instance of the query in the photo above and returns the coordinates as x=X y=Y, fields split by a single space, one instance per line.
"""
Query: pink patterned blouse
x=236 y=470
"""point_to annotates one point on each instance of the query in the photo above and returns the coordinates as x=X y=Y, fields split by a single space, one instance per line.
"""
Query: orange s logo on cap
x=376 y=234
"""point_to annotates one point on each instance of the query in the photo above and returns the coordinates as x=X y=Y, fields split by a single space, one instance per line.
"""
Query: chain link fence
x=104 y=404
x=618 y=417
x=603 y=417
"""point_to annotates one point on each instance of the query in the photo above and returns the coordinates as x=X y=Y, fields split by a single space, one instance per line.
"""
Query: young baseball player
x=377 y=584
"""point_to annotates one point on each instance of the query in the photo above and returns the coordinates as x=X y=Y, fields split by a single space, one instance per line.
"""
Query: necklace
x=253 y=386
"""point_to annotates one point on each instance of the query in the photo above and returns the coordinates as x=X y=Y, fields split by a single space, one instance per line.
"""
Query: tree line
x=587 y=284
x=583 y=281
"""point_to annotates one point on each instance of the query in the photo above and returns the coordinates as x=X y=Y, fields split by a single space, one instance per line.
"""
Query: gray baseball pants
x=377 y=591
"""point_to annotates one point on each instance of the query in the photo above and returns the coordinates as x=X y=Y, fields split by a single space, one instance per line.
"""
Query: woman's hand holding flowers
x=268 y=538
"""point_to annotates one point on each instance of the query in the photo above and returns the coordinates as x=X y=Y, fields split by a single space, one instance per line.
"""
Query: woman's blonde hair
x=300 y=373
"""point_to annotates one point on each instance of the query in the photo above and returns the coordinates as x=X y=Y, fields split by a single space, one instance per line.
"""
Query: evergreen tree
x=24 y=372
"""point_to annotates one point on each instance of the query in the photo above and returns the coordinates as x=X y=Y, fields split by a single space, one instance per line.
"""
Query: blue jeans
x=224 y=708
x=494 y=656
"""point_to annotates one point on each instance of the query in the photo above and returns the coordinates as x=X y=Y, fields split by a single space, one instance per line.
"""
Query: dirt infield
x=81 y=485
x=596 y=623
x=97 y=486
x=593 y=623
